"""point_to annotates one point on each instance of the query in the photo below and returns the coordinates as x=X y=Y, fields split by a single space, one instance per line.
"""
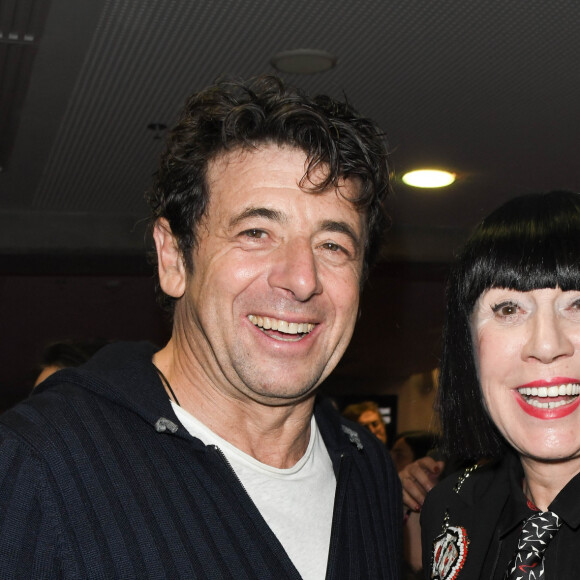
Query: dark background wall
x=36 y=310
x=397 y=334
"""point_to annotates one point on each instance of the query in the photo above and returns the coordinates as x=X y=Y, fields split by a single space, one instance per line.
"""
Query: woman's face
x=527 y=347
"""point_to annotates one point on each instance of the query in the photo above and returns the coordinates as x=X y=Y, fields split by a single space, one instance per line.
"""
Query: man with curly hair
x=211 y=458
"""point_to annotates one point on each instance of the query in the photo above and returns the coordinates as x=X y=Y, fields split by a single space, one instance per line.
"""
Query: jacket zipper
x=278 y=548
x=231 y=469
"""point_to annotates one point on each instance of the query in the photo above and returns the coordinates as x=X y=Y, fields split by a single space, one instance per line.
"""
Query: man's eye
x=337 y=248
x=505 y=309
x=254 y=233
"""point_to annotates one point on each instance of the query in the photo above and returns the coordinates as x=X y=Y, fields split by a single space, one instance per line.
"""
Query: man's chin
x=276 y=395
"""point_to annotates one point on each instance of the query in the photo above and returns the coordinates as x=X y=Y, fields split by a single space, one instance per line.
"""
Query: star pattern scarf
x=537 y=532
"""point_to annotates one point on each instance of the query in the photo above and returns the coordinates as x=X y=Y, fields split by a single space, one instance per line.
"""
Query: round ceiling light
x=429 y=178
x=303 y=61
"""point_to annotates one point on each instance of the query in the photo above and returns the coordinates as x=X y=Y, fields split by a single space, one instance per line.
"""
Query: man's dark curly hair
x=231 y=115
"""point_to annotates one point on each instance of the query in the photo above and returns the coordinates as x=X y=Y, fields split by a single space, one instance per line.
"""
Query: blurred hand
x=417 y=479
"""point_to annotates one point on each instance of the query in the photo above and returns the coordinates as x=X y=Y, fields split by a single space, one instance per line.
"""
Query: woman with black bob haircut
x=530 y=242
x=509 y=397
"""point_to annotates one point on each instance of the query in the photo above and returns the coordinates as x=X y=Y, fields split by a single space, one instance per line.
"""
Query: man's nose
x=295 y=270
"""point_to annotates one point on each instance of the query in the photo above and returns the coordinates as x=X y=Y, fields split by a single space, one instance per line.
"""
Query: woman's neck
x=543 y=481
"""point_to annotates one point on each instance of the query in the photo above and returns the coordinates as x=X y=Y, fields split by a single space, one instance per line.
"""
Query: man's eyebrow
x=263 y=212
x=277 y=216
x=341 y=228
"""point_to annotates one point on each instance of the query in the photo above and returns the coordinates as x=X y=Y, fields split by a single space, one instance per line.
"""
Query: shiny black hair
x=530 y=242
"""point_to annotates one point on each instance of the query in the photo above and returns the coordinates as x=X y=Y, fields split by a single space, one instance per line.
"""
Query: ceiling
x=487 y=89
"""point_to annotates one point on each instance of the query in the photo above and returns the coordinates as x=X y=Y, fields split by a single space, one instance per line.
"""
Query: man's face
x=272 y=301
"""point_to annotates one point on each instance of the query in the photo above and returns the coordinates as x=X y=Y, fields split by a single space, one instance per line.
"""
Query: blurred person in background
x=409 y=446
x=65 y=354
x=369 y=415
x=412 y=445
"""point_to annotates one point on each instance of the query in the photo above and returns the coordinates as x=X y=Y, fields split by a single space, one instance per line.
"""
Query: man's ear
x=169 y=260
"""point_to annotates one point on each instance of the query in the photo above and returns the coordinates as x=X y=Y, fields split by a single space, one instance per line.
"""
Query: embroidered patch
x=449 y=552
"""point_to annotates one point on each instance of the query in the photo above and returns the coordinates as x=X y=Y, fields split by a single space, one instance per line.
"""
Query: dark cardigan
x=98 y=479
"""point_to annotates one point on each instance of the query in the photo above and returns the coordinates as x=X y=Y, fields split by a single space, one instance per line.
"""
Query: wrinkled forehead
x=261 y=172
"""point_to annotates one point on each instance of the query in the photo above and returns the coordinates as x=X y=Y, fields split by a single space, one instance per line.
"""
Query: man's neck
x=274 y=435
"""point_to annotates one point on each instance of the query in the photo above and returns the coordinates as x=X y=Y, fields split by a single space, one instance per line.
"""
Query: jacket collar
x=123 y=372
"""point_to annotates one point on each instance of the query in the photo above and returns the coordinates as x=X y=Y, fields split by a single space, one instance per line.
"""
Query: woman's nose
x=548 y=339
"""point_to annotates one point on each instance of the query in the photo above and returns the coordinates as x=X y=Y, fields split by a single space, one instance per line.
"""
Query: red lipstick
x=551 y=382
x=547 y=414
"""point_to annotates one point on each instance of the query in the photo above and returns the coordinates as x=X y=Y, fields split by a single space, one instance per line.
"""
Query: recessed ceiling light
x=303 y=61
x=429 y=178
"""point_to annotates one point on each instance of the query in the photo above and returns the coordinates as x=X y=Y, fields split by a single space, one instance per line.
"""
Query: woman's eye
x=505 y=309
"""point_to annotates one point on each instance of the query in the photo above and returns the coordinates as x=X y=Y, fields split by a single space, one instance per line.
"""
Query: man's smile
x=281 y=327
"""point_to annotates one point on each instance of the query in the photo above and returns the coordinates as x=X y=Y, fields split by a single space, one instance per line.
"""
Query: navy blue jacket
x=98 y=479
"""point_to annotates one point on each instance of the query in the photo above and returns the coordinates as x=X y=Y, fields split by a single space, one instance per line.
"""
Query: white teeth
x=546 y=405
x=281 y=325
x=570 y=390
x=553 y=391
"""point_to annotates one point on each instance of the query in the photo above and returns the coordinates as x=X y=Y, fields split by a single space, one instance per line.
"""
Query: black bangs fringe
x=540 y=250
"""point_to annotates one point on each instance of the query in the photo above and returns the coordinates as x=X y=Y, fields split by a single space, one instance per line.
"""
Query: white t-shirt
x=297 y=503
